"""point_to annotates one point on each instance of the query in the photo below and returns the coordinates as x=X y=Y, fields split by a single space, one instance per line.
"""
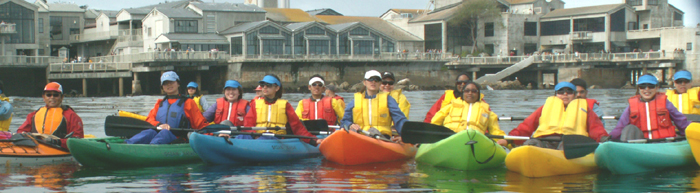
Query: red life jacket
x=591 y=102
x=326 y=110
x=660 y=118
x=222 y=111
x=339 y=98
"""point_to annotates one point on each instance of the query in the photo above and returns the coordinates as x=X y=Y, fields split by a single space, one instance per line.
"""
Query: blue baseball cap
x=682 y=74
x=647 y=79
x=232 y=84
x=270 y=80
x=192 y=84
x=169 y=76
x=561 y=85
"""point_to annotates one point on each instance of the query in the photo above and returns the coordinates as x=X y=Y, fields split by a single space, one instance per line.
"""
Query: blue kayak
x=219 y=150
x=629 y=158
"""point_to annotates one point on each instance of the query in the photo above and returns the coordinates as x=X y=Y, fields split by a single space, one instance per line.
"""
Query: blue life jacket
x=173 y=114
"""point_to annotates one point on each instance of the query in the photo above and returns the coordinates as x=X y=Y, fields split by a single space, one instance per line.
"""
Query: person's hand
x=318 y=141
x=224 y=135
x=396 y=139
x=54 y=142
x=502 y=142
x=355 y=127
x=164 y=126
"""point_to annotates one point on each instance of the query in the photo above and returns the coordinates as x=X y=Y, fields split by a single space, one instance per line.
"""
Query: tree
x=471 y=11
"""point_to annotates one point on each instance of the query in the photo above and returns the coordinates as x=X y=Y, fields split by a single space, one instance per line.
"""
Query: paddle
x=319 y=127
x=220 y=127
x=421 y=132
x=128 y=127
x=579 y=146
x=266 y=134
x=523 y=118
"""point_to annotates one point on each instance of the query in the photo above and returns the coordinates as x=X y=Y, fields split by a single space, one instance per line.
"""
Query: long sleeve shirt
x=293 y=121
x=434 y=109
x=197 y=121
x=396 y=115
x=529 y=125
x=210 y=113
x=679 y=120
x=73 y=124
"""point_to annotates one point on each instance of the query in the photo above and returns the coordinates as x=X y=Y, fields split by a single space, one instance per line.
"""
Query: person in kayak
x=470 y=111
x=373 y=111
x=54 y=118
x=684 y=96
x=193 y=93
x=388 y=81
x=445 y=99
x=582 y=93
x=562 y=114
x=173 y=111
x=318 y=106
x=231 y=106
x=636 y=122
x=330 y=92
x=273 y=111
x=5 y=110
x=258 y=93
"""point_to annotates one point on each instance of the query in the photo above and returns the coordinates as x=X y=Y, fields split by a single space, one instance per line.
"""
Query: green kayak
x=113 y=152
x=466 y=150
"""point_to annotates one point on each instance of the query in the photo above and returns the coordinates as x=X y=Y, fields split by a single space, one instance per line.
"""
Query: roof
x=376 y=23
x=400 y=11
x=178 y=13
x=296 y=26
x=65 y=7
x=138 y=11
x=166 y=4
x=324 y=11
x=109 y=13
x=228 y=7
x=342 y=26
x=513 y=2
x=583 y=10
x=444 y=13
x=288 y=15
x=243 y=27
x=91 y=13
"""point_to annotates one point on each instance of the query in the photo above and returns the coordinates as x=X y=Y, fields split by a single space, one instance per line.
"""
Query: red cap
x=259 y=88
x=54 y=86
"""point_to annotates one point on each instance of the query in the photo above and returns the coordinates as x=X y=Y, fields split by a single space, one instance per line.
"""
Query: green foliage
x=472 y=10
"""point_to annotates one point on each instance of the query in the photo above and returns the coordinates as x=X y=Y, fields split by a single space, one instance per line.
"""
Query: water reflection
x=564 y=183
x=668 y=180
x=448 y=180
x=388 y=175
x=43 y=178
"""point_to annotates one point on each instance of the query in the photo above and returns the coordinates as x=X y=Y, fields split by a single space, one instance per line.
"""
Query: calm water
x=317 y=174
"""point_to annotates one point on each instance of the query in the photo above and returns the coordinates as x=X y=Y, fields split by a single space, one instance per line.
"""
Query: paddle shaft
x=509 y=137
x=265 y=134
x=523 y=118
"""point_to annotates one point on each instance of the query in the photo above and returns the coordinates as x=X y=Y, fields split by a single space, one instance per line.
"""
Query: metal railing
x=655 y=29
x=580 y=57
x=130 y=35
x=8 y=28
x=91 y=36
x=490 y=60
x=382 y=56
x=88 y=67
x=24 y=60
x=164 y=56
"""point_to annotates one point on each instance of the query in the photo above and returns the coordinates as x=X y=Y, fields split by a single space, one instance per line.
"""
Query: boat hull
x=351 y=148
x=113 y=152
x=465 y=150
x=219 y=150
x=534 y=161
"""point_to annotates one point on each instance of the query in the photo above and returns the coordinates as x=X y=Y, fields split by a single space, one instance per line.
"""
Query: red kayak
x=351 y=148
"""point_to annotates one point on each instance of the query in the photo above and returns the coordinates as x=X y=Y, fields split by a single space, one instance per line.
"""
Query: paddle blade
x=576 y=146
x=316 y=125
x=420 y=132
x=125 y=126
x=214 y=128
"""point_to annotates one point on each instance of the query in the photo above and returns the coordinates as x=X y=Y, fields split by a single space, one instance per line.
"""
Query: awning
x=317 y=37
x=271 y=37
x=361 y=38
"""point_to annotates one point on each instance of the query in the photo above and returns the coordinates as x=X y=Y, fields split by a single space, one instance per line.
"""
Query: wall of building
x=509 y=35
x=605 y=78
x=225 y=20
x=44 y=39
x=158 y=23
x=70 y=20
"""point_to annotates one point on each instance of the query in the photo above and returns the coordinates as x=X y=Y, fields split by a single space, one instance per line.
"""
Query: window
x=617 y=21
x=273 y=47
x=433 y=36
x=590 y=24
x=549 y=28
x=652 y=2
x=253 y=44
x=488 y=48
x=689 y=46
x=318 y=47
x=388 y=46
x=645 y=26
x=632 y=25
x=363 y=47
x=299 y=44
x=530 y=29
x=677 y=16
x=149 y=32
x=74 y=31
x=488 y=29
x=23 y=19
x=41 y=25
x=269 y=30
x=186 y=26
x=406 y=15
x=315 y=31
x=359 y=31
x=538 y=10
x=634 y=2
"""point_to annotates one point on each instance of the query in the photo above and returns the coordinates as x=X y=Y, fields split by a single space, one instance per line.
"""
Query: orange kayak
x=14 y=155
x=351 y=148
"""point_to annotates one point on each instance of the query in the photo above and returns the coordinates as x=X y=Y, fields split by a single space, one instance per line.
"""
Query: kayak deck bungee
x=629 y=158
x=15 y=155
x=112 y=152
x=219 y=150
x=534 y=161
x=351 y=148
x=465 y=150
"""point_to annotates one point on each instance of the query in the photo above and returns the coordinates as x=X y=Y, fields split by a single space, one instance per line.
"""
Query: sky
x=691 y=8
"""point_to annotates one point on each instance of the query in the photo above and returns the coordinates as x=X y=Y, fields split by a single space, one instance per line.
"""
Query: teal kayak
x=219 y=150
x=629 y=158
x=465 y=150
x=113 y=152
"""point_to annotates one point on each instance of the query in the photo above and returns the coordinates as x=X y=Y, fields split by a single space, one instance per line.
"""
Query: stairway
x=507 y=72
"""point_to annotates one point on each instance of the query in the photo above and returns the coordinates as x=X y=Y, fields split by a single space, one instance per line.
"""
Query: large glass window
x=273 y=47
x=677 y=16
x=488 y=29
x=388 y=46
x=23 y=19
x=590 y=24
x=549 y=28
x=634 y=2
x=41 y=25
x=186 y=26
x=530 y=29
x=269 y=30
x=315 y=31
x=433 y=36
x=359 y=32
x=252 y=42
x=363 y=47
x=56 y=27
x=617 y=21
x=299 y=44
x=343 y=44
x=318 y=47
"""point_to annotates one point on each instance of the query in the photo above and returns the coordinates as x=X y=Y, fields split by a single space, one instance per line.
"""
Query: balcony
x=582 y=36
x=89 y=70
x=88 y=36
x=574 y=58
x=27 y=61
x=8 y=28
x=165 y=56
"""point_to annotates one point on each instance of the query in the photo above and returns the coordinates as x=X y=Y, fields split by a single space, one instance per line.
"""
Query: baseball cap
x=388 y=75
x=169 y=76
x=316 y=79
x=270 y=80
x=647 y=79
x=561 y=85
x=192 y=84
x=372 y=73
x=682 y=74
x=332 y=88
x=232 y=84
x=54 y=86
x=258 y=88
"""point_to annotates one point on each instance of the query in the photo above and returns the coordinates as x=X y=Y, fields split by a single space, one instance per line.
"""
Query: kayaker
x=635 y=122
x=231 y=107
x=388 y=81
x=318 y=106
x=562 y=114
x=330 y=92
x=173 y=111
x=5 y=110
x=53 y=118
x=448 y=96
x=193 y=93
x=582 y=93
x=684 y=96
x=273 y=111
x=258 y=92
x=470 y=111
x=373 y=111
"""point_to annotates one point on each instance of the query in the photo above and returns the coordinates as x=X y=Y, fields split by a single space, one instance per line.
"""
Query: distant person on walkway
x=582 y=93
x=319 y=106
x=193 y=93
x=388 y=81
x=54 y=118
x=561 y=114
x=449 y=95
x=173 y=111
x=684 y=96
x=5 y=110
x=230 y=107
x=650 y=115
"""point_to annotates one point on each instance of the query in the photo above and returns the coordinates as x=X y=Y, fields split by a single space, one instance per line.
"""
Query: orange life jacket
x=325 y=111
x=50 y=121
x=659 y=117
x=223 y=113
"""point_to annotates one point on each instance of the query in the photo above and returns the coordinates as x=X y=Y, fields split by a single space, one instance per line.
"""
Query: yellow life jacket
x=449 y=96
x=690 y=104
x=48 y=121
x=199 y=105
x=556 y=119
x=277 y=115
x=369 y=113
x=463 y=115
x=5 y=124
x=400 y=98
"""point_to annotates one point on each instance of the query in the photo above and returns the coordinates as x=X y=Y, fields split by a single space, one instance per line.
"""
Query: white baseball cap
x=371 y=73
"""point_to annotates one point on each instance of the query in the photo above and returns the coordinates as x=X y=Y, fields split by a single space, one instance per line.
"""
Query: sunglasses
x=317 y=84
x=268 y=85
x=388 y=82
x=462 y=82
x=682 y=81
x=374 y=80
x=646 y=86
x=470 y=91
x=49 y=95
x=565 y=92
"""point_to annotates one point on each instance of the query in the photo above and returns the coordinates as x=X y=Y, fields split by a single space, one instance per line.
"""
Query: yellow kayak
x=132 y=115
x=692 y=133
x=534 y=161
